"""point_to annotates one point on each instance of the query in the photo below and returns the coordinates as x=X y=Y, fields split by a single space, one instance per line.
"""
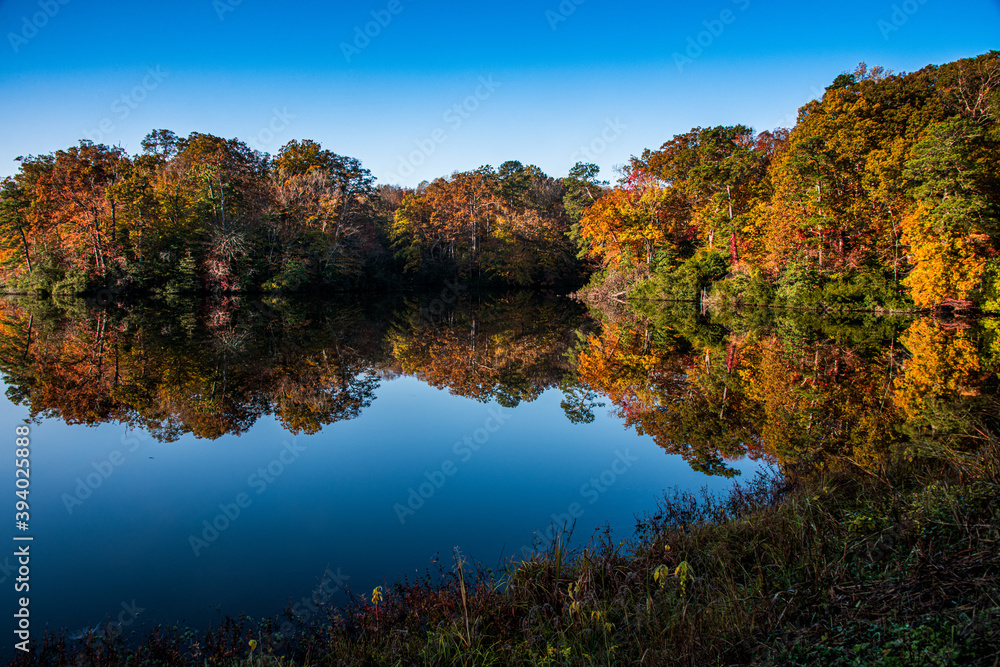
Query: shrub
x=988 y=296
x=799 y=287
x=685 y=281
x=292 y=276
x=42 y=279
x=73 y=282
x=744 y=289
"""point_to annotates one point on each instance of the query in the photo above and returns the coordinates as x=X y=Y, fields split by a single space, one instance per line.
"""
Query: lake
x=197 y=460
x=200 y=459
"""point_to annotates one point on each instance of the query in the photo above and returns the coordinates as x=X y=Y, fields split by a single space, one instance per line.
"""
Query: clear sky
x=546 y=82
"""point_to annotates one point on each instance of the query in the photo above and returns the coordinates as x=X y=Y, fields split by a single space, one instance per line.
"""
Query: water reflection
x=783 y=387
x=361 y=433
x=796 y=388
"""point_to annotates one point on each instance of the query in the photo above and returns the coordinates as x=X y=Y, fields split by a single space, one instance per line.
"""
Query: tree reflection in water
x=791 y=388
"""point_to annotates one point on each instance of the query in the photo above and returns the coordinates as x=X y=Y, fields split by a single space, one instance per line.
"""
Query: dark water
x=200 y=459
x=224 y=458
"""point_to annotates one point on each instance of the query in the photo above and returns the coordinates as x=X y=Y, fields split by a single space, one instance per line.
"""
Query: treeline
x=203 y=213
x=885 y=194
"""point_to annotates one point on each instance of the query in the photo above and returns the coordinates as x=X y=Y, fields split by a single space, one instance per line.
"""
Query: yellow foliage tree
x=947 y=265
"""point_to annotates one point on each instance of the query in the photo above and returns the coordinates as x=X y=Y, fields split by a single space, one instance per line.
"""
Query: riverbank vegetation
x=201 y=214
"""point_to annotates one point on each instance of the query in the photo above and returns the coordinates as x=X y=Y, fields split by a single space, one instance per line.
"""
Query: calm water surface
x=217 y=459
x=203 y=459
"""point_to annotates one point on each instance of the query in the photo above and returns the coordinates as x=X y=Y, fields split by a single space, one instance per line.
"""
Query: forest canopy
x=883 y=195
x=203 y=213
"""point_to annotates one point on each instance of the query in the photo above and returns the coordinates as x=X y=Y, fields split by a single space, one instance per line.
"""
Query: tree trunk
x=99 y=252
x=27 y=343
x=24 y=241
x=222 y=198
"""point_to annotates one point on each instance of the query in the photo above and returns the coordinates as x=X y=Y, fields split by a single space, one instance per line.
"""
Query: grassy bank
x=845 y=567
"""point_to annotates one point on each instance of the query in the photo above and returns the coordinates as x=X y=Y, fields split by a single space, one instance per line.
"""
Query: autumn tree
x=846 y=199
x=951 y=229
x=448 y=220
x=324 y=220
x=15 y=227
x=582 y=189
x=211 y=193
x=73 y=196
x=629 y=225
x=503 y=226
x=722 y=171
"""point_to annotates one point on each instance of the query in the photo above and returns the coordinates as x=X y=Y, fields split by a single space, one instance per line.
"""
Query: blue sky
x=589 y=80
